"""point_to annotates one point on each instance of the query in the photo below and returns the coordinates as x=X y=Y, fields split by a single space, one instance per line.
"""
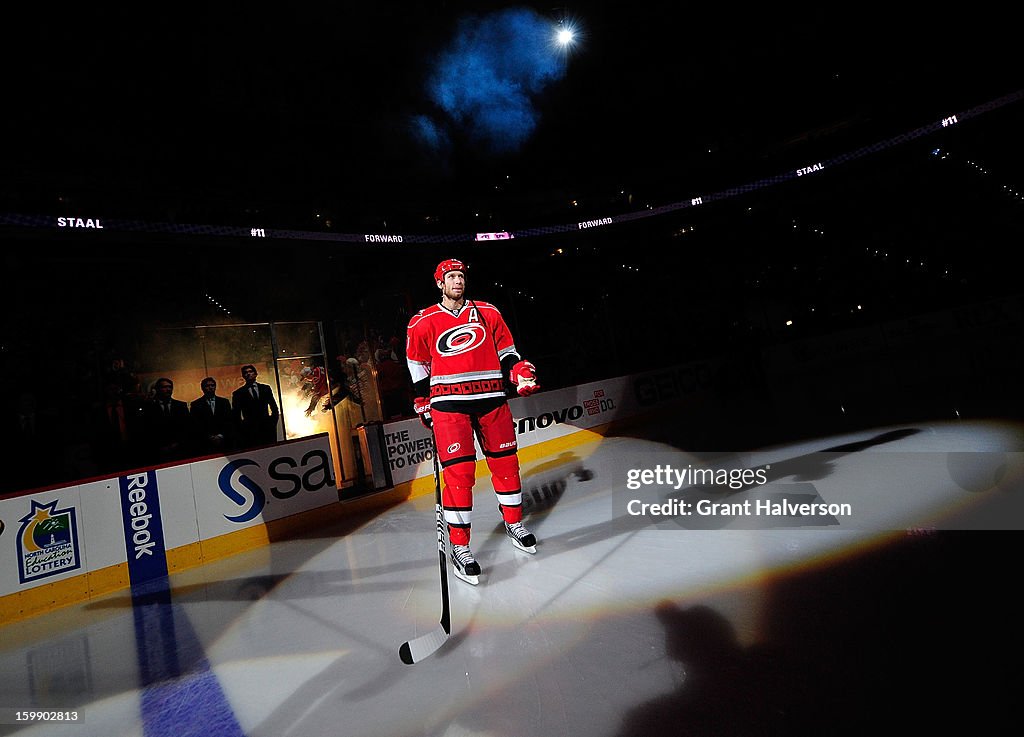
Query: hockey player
x=462 y=361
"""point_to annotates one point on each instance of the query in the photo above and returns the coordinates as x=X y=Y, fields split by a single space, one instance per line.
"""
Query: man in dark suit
x=166 y=424
x=255 y=411
x=212 y=422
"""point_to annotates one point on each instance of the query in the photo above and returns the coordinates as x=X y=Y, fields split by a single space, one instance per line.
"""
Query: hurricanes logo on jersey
x=460 y=339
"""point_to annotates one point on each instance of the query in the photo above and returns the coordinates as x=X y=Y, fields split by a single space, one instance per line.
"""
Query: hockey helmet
x=451 y=264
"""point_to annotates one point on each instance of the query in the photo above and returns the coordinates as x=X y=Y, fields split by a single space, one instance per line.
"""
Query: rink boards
x=548 y=420
x=74 y=542
x=62 y=545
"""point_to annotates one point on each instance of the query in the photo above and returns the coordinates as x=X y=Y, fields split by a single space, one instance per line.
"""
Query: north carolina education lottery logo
x=460 y=339
x=47 y=542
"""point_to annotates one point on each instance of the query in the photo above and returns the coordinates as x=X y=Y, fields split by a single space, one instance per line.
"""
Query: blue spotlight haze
x=430 y=133
x=487 y=80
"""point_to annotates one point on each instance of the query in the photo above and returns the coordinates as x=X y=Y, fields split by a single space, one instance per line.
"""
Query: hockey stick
x=416 y=650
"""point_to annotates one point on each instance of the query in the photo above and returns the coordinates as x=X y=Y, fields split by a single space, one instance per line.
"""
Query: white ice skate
x=521 y=537
x=464 y=564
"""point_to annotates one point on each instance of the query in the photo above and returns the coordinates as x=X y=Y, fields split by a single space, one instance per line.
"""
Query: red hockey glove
x=422 y=407
x=524 y=376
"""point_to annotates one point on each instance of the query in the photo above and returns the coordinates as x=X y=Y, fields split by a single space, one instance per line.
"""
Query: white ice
x=701 y=626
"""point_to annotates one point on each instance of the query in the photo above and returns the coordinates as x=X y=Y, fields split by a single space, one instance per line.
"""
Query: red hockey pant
x=454 y=432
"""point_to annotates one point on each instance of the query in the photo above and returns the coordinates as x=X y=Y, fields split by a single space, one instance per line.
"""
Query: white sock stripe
x=510 y=498
x=457 y=516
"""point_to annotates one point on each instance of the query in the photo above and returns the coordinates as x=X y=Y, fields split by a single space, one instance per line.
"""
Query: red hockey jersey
x=461 y=353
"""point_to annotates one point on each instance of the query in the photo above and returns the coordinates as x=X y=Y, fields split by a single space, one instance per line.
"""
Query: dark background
x=214 y=117
x=300 y=120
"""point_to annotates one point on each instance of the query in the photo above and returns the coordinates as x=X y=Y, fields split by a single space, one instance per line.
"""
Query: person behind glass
x=166 y=424
x=463 y=365
x=391 y=380
x=255 y=411
x=212 y=421
x=115 y=428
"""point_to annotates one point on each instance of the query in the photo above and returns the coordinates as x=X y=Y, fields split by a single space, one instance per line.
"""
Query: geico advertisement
x=254 y=487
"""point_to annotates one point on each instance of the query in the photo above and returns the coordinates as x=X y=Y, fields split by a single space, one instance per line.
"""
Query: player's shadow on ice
x=802 y=469
x=544 y=486
x=820 y=464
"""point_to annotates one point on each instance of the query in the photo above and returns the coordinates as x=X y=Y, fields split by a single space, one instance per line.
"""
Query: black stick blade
x=414 y=651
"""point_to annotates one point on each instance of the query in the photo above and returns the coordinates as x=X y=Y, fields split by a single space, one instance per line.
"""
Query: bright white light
x=567 y=34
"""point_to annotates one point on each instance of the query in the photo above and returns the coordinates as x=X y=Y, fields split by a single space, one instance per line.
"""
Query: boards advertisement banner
x=134 y=519
x=548 y=415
